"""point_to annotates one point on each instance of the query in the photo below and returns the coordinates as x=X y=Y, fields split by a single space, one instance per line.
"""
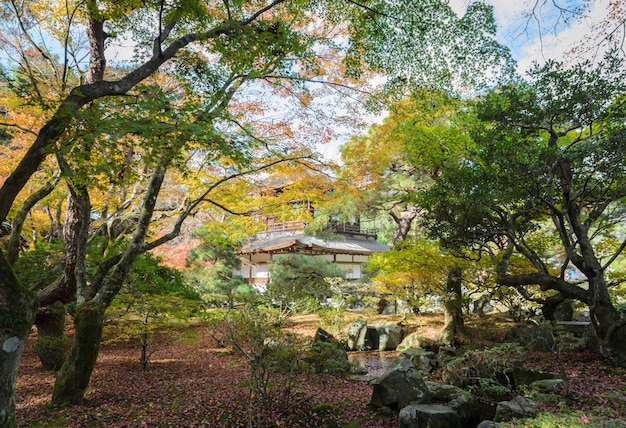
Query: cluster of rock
x=472 y=395
x=426 y=404
x=575 y=336
x=565 y=332
x=457 y=403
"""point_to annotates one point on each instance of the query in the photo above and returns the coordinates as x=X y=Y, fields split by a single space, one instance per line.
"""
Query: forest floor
x=197 y=383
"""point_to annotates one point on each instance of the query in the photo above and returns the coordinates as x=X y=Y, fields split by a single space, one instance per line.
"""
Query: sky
x=547 y=36
x=559 y=36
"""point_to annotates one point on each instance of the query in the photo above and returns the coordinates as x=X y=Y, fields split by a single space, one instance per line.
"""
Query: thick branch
x=15 y=241
x=105 y=293
x=546 y=282
x=51 y=132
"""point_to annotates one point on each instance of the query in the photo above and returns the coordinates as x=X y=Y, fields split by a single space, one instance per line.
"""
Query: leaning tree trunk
x=50 y=319
x=17 y=314
x=403 y=222
x=454 y=325
x=73 y=378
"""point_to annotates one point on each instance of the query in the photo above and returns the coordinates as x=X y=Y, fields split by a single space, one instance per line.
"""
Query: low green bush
x=563 y=419
x=328 y=357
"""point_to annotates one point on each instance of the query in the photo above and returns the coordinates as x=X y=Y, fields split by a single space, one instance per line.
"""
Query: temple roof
x=301 y=243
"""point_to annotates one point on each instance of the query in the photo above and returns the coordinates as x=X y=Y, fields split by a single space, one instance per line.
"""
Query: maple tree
x=154 y=305
x=97 y=121
x=549 y=157
x=386 y=168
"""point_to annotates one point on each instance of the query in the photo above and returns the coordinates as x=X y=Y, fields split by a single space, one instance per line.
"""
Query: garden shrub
x=563 y=419
x=328 y=357
x=488 y=373
x=297 y=278
x=333 y=319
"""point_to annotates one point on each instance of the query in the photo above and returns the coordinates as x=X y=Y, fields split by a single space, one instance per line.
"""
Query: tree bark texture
x=454 y=325
x=403 y=222
x=17 y=314
x=609 y=327
x=73 y=378
x=15 y=242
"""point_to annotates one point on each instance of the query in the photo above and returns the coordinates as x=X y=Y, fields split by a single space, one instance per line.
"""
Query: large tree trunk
x=454 y=325
x=609 y=327
x=613 y=344
x=17 y=314
x=73 y=378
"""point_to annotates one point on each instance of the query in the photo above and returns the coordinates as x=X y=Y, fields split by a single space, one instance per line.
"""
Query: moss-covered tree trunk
x=609 y=327
x=73 y=378
x=454 y=325
x=17 y=314
x=50 y=322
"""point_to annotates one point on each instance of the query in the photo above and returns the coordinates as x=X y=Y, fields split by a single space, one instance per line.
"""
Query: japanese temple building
x=349 y=248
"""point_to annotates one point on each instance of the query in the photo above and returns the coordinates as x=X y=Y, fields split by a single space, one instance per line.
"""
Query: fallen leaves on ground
x=186 y=386
x=203 y=385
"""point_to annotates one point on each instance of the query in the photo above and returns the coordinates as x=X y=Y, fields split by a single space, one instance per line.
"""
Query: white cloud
x=561 y=45
x=521 y=32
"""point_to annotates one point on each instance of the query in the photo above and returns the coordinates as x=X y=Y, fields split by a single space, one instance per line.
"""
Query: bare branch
x=21 y=128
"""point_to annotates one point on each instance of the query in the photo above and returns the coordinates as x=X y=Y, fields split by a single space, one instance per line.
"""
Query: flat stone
x=545 y=385
x=428 y=416
x=519 y=407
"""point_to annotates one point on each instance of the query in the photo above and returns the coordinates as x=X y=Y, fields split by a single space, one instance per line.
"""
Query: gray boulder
x=383 y=337
x=428 y=416
x=539 y=338
x=457 y=399
x=519 y=407
x=389 y=336
x=571 y=336
x=482 y=305
x=524 y=376
x=545 y=386
x=357 y=333
x=400 y=385
x=425 y=361
x=415 y=340
x=322 y=335
x=577 y=336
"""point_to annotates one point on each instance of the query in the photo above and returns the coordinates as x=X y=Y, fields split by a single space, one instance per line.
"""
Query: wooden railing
x=352 y=228
x=286 y=226
x=294 y=226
